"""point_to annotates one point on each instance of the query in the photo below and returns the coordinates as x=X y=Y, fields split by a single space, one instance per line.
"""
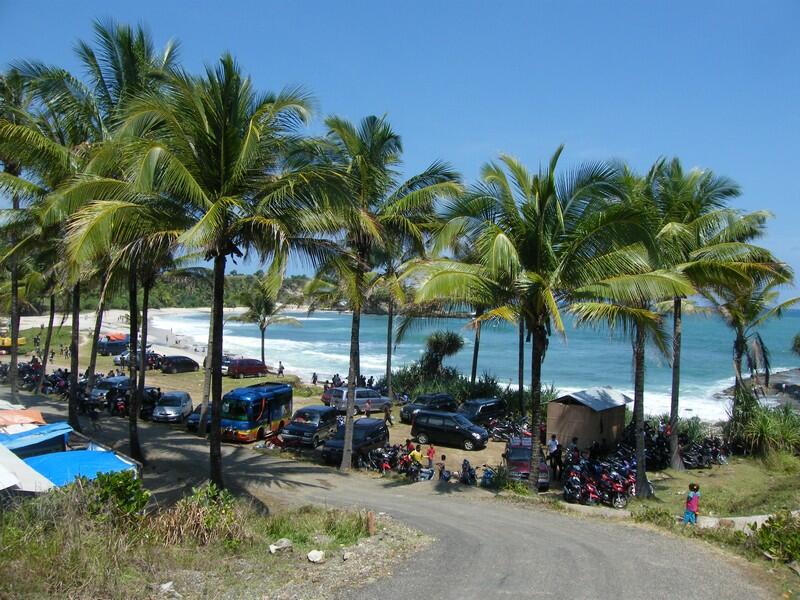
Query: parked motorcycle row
x=502 y=430
x=397 y=459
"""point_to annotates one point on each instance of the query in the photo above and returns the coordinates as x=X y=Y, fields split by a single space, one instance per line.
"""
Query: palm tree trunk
x=48 y=337
x=73 y=355
x=521 y=366
x=739 y=345
x=138 y=397
x=133 y=415
x=98 y=322
x=13 y=379
x=215 y=449
x=201 y=427
x=675 y=456
x=389 y=343
x=263 y=335
x=537 y=358
x=642 y=487
x=355 y=330
x=476 y=348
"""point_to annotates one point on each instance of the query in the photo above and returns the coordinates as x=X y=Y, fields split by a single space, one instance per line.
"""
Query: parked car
x=172 y=407
x=310 y=426
x=178 y=364
x=246 y=367
x=481 y=411
x=368 y=434
x=377 y=402
x=448 y=429
x=153 y=359
x=438 y=402
x=111 y=348
x=226 y=361
x=193 y=420
x=518 y=457
x=109 y=389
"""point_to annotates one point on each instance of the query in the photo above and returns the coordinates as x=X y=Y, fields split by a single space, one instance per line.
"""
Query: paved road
x=484 y=548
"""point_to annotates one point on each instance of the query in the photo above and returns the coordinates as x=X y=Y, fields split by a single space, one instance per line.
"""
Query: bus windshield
x=236 y=410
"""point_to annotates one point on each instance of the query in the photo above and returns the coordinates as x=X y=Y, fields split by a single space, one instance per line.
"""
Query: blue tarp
x=12 y=441
x=63 y=467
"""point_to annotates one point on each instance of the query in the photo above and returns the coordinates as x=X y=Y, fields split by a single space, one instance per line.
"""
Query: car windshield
x=462 y=420
x=470 y=410
x=305 y=416
x=519 y=454
x=359 y=433
x=104 y=385
x=235 y=410
x=170 y=400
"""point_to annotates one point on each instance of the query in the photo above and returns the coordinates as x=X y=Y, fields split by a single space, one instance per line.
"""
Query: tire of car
x=467 y=445
x=173 y=370
x=196 y=368
x=422 y=438
x=315 y=441
x=260 y=433
x=240 y=376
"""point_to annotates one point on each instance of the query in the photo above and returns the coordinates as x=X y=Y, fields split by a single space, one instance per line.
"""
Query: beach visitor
x=367 y=407
x=409 y=446
x=556 y=462
x=416 y=455
x=314 y=378
x=280 y=369
x=692 y=505
x=444 y=474
x=387 y=416
x=552 y=444
x=370 y=381
x=430 y=454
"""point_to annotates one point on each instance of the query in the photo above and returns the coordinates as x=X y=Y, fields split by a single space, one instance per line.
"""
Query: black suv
x=482 y=411
x=368 y=434
x=178 y=364
x=448 y=429
x=439 y=402
x=310 y=426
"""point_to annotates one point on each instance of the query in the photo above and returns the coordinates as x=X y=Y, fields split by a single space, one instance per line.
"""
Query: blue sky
x=715 y=83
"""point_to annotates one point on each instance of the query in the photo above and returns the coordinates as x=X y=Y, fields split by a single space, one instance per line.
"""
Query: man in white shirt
x=552 y=445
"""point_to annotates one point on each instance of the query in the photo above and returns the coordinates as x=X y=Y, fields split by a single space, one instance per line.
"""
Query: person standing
x=430 y=454
x=692 y=505
x=367 y=407
x=280 y=368
x=314 y=378
x=387 y=416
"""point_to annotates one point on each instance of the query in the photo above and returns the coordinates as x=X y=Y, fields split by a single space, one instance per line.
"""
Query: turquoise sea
x=584 y=358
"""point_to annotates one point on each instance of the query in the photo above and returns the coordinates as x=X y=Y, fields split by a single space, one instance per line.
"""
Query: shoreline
x=167 y=341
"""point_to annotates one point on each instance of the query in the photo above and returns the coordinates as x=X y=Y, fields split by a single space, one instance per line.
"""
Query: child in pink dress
x=692 y=505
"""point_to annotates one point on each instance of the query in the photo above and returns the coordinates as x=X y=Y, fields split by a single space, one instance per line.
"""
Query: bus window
x=281 y=407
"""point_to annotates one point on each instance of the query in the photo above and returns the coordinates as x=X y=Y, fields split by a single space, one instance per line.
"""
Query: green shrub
x=782 y=462
x=116 y=494
x=208 y=515
x=654 y=515
x=757 y=429
x=779 y=536
x=302 y=525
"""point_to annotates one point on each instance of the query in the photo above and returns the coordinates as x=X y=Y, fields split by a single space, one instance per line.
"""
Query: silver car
x=172 y=407
x=363 y=395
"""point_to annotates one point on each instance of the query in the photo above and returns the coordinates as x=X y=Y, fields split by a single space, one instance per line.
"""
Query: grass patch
x=77 y=542
x=746 y=486
x=61 y=336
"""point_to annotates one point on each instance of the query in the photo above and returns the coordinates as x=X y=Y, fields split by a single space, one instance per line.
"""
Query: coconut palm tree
x=15 y=100
x=214 y=147
x=377 y=207
x=263 y=310
x=626 y=301
x=697 y=234
x=744 y=307
x=536 y=236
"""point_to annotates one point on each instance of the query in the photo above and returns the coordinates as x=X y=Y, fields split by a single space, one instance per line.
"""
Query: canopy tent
x=47 y=438
x=63 y=467
x=592 y=415
x=116 y=336
x=16 y=475
x=19 y=417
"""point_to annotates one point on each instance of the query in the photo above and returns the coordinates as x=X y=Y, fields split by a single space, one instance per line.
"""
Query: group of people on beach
x=336 y=381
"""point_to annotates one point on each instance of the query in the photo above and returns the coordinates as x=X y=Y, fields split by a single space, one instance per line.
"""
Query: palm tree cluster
x=140 y=167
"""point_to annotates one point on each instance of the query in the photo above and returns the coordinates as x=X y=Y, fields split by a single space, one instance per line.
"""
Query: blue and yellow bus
x=249 y=413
